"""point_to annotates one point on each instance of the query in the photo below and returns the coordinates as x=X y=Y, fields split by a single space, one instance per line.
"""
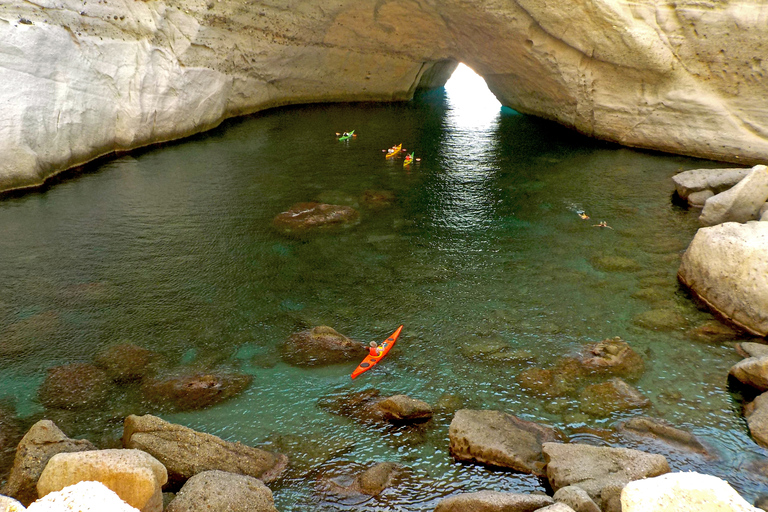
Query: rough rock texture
x=741 y=203
x=402 y=408
x=612 y=356
x=492 y=501
x=756 y=413
x=10 y=505
x=712 y=180
x=610 y=396
x=602 y=472
x=220 y=490
x=82 y=80
x=576 y=498
x=189 y=391
x=682 y=492
x=752 y=349
x=82 y=497
x=39 y=444
x=725 y=266
x=557 y=507
x=134 y=475
x=752 y=371
x=377 y=478
x=499 y=439
x=126 y=362
x=75 y=386
x=185 y=452
x=321 y=345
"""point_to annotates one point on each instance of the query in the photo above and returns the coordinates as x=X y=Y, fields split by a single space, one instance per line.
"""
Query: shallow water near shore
x=173 y=249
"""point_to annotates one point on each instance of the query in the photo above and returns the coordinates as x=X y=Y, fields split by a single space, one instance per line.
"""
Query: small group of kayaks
x=394 y=151
x=381 y=350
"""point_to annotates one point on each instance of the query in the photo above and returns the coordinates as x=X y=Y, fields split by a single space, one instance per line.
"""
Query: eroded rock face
x=725 y=266
x=86 y=80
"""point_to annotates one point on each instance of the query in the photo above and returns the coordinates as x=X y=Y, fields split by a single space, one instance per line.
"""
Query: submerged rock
x=127 y=362
x=660 y=319
x=75 y=386
x=713 y=332
x=664 y=432
x=302 y=217
x=611 y=396
x=756 y=413
x=321 y=345
x=498 y=439
x=611 y=356
x=188 y=391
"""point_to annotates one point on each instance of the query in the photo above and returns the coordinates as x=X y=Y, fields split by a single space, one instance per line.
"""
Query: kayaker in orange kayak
x=374 y=349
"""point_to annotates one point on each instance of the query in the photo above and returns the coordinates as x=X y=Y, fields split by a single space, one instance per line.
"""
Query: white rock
x=82 y=497
x=726 y=266
x=741 y=203
x=714 y=180
x=8 y=504
x=682 y=492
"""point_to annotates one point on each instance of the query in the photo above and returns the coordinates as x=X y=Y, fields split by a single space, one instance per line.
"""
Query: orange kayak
x=370 y=361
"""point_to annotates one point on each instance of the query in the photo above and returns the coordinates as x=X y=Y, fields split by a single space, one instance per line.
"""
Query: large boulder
x=740 y=203
x=321 y=345
x=126 y=362
x=192 y=389
x=75 y=386
x=134 y=475
x=712 y=180
x=302 y=217
x=82 y=497
x=404 y=409
x=493 y=501
x=39 y=444
x=83 y=80
x=725 y=266
x=497 y=439
x=185 y=452
x=752 y=371
x=221 y=490
x=677 y=492
x=601 y=471
x=576 y=498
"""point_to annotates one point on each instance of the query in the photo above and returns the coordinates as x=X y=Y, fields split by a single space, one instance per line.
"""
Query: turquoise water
x=172 y=249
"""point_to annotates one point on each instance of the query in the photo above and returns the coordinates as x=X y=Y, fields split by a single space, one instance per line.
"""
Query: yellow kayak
x=394 y=151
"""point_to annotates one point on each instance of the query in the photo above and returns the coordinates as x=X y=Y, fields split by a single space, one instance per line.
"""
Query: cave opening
x=471 y=101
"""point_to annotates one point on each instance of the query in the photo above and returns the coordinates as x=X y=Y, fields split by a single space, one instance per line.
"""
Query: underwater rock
x=75 y=386
x=611 y=396
x=185 y=452
x=39 y=444
x=220 y=490
x=319 y=346
x=188 y=391
x=404 y=409
x=493 y=501
x=302 y=217
x=29 y=334
x=661 y=430
x=368 y=407
x=497 y=439
x=660 y=319
x=126 y=362
x=306 y=452
x=611 y=356
x=543 y=382
x=377 y=198
x=494 y=350
x=615 y=264
x=713 y=332
x=600 y=471
x=10 y=434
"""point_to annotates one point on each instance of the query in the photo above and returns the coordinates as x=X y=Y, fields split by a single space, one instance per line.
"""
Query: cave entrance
x=470 y=101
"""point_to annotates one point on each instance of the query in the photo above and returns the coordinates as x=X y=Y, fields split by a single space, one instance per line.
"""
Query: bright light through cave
x=472 y=103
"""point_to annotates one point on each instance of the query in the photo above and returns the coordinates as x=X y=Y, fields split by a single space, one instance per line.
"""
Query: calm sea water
x=172 y=249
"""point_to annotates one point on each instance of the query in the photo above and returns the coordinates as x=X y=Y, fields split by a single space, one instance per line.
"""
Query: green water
x=172 y=249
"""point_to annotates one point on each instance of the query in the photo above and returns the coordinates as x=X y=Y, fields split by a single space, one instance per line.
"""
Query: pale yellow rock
x=135 y=476
x=682 y=492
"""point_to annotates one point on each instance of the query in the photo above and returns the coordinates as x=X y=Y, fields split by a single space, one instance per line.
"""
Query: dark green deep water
x=172 y=249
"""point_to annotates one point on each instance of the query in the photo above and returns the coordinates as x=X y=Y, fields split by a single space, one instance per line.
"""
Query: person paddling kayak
x=374 y=349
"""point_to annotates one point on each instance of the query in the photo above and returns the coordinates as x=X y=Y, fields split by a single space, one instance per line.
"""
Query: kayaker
x=374 y=349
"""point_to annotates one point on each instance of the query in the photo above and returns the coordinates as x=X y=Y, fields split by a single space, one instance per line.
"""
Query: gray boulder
x=713 y=181
x=498 y=439
x=492 y=501
x=725 y=266
x=185 y=452
x=601 y=471
x=740 y=203
x=752 y=349
x=37 y=447
x=576 y=498
x=220 y=490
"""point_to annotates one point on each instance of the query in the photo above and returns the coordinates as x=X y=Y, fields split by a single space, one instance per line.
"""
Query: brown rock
x=222 y=491
x=498 y=439
x=756 y=413
x=538 y=381
x=378 y=198
x=401 y=408
x=662 y=431
x=193 y=391
x=660 y=320
x=752 y=371
x=302 y=217
x=29 y=334
x=492 y=501
x=43 y=441
x=610 y=396
x=374 y=480
x=321 y=345
x=75 y=386
x=713 y=332
x=612 y=356
x=185 y=452
x=752 y=349
x=126 y=362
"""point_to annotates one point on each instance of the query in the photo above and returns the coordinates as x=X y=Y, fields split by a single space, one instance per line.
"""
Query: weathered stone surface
x=185 y=452
x=82 y=497
x=725 y=266
x=752 y=371
x=10 y=505
x=660 y=319
x=135 y=476
x=75 y=386
x=610 y=396
x=492 y=501
x=741 y=203
x=576 y=498
x=601 y=471
x=402 y=408
x=302 y=217
x=662 y=431
x=699 y=199
x=220 y=490
x=187 y=391
x=712 y=180
x=126 y=362
x=39 y=444
x=752 y=349
x=377 y=478
x=125 y=74
x=321 y=345
x=498 y=439
x=713 y=331
x=756 y=413
x=557 y=507
x=611 y=356
x=677 y=492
